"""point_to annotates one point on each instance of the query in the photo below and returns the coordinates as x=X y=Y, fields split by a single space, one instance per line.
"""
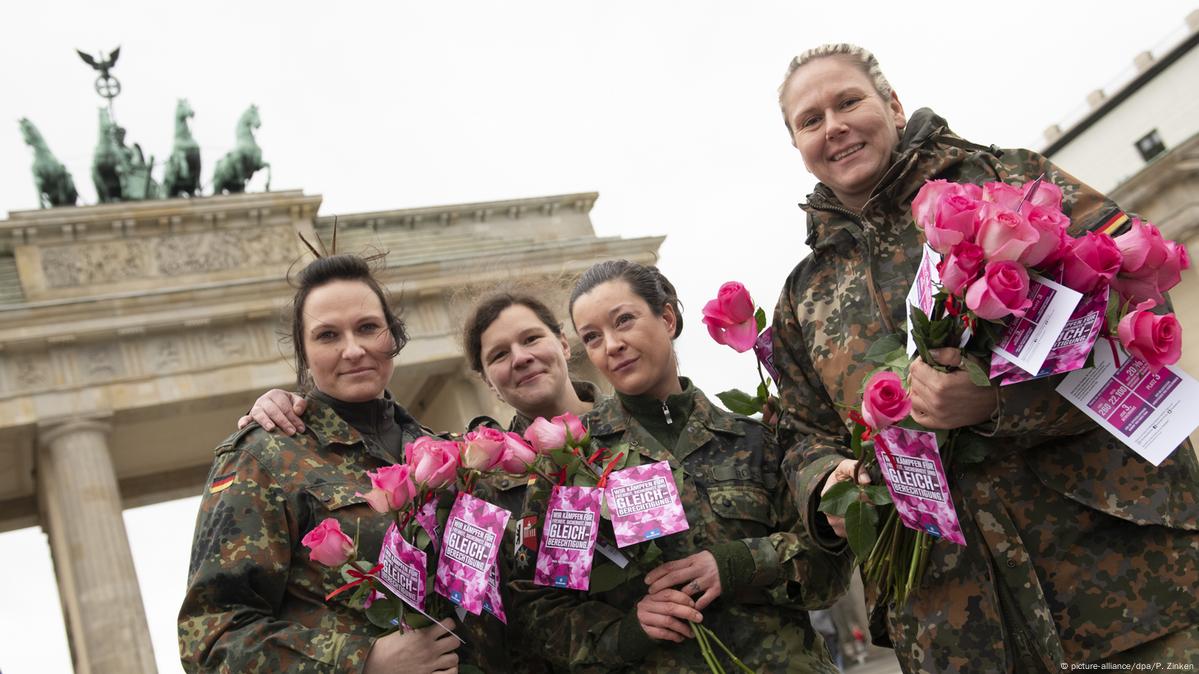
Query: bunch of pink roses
x=734 y=320
x=990 y=237
x=416 y=494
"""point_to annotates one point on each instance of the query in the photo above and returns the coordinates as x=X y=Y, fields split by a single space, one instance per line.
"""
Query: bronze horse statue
x=106 y=162
x=236 y=168
x=182 y=174
x=52 y=180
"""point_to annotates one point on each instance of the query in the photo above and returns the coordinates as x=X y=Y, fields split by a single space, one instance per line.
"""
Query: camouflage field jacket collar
x=835 y=226
x=610 y=418
x=587 y=392
x=329 y=429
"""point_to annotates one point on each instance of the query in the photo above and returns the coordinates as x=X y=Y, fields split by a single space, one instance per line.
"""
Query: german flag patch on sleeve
x=222 y=483
x=1112 y=224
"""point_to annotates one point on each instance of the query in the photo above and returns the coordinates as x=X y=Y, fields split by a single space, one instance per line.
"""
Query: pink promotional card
x=404 y=567
x=427 y=518
x=644 y=504
x=493 y=603
x=924 y=287
x=572 y=517
x=468 y=551
x=915 y=477
x=1027 y=340
x=1069 y=352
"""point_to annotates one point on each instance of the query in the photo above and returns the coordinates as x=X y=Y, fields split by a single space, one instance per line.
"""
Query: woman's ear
x=671 y=319
x=565 y=346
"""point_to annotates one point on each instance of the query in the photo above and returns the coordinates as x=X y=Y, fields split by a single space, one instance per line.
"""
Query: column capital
x=49 y=432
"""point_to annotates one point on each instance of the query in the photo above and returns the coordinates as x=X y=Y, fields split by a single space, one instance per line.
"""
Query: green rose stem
x=705 y=649
x=711 y=636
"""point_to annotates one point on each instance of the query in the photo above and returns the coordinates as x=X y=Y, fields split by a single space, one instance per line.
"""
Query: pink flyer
x=644 y=504
x=1069 y=352
x=468 y=551
x=403 y=568
x=1027 y=340
x=924 y=287
x=427 y=518
x=915 y=477
x=568 y=539
x=493 y=603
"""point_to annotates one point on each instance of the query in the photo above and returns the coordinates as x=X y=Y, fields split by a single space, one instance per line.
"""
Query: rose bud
x=1090 y=261
x=1008 y=197
x=1003 y=234
x=327 y=544
x=1143 y=248
x=1002 y=291
x=435 y=462
x=730 y=317
x=1052 y=240
x=518 y=455
x=961 y=267
x=946 y=212
x=545 y=436
x=483 y=448
x=393 y=488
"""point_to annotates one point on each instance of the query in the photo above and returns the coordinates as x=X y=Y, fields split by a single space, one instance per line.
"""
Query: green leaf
x=878 y=494
x=650 y=554
x=861 y=522
x=605 y=576
x=383 y=612
x=968 y=448
x=739 y=402
x=422 y=539
x=977 y=376
x=837 y=499
x=883 y=349
x=760 y=316
x=763 y=394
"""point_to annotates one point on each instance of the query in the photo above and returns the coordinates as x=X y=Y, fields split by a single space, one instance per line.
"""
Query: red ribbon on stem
x=359 y=575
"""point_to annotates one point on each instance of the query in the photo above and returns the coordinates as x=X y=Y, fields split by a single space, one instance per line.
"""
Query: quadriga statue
x=52 y=180
x=182 y=174
x=236 y=168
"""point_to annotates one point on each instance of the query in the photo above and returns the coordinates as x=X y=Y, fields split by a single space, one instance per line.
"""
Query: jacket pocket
x=742 y=502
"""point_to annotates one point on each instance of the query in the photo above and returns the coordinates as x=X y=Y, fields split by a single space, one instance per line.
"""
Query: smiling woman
x=256 y=600
x=739 y=567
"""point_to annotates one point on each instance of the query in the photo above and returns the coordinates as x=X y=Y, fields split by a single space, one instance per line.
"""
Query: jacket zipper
x=875 y=292
x=666 y=413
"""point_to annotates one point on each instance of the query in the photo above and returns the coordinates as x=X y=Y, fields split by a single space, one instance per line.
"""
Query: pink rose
x=950 y=218
x=961 y=267
x=327 y=544
x=435 y=462
x=483 y=448
x=392 y=488
x=1155 y=339
x=1052 y=237
x=1048 y=196
x=1003 y=234
x=1090 y=261
x=1143 y=248
x=518 y=455
x=884 y=401
x=1002 y=290
x=730 y=317
x=546 y=436
x=1177 y=260
x=1007 y=197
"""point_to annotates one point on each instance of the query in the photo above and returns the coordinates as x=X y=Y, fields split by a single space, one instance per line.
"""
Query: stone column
x=81 y=512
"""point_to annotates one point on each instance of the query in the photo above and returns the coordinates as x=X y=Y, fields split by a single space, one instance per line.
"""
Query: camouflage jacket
x=731 y=491
x=1076 y=547
x=255 y=602
x=491 y=645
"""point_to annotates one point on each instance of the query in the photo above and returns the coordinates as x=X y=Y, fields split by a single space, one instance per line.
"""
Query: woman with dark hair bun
x=739 y=567
x=256 y=601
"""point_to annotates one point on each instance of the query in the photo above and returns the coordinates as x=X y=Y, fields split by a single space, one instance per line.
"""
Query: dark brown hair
x=488 y=309
x=325 y=270
x=645 y=280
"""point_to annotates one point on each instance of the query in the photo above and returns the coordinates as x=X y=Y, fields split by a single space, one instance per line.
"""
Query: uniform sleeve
x=570 y=629
x=811 y=434
x=241 y=556
x=1032 y=412
x=786 y=563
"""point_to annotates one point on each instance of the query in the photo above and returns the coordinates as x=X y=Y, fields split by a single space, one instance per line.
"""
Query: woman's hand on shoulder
x=424 y=651
x=694 y=575
x=663 y=615
x=277 y=409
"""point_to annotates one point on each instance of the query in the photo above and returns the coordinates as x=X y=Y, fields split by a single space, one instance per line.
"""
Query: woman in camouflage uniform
x=1077 y=550
x=255 y=601
x=738 y=568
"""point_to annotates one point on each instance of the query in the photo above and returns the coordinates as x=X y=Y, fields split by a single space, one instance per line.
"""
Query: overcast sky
x=667 y=109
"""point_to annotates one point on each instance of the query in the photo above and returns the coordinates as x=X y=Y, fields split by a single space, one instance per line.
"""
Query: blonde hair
x=858 y=56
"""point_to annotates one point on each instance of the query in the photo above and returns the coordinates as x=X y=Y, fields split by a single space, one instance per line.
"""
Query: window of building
x=1150 y=145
